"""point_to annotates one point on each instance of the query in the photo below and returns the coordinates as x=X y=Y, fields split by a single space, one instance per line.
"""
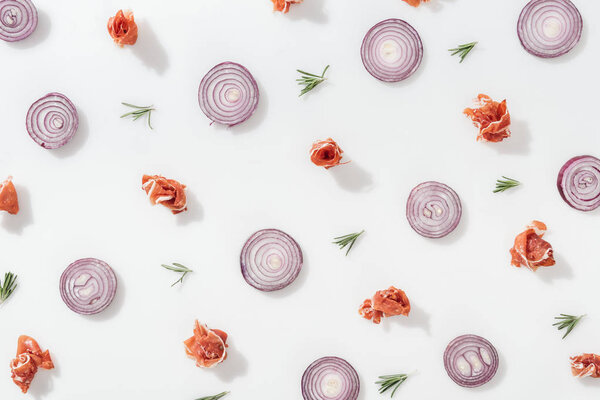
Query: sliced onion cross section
x=270 y=260
x=549 y=28
x=392 y=50
x=330 y=378
x=433 y=209
x=579 y=183
x=471 y=360
x=18 y=19
x=228 y=94
x=52 y=121
x=88 y=286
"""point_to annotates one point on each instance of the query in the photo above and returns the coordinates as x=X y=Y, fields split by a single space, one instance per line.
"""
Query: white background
x=85 y=200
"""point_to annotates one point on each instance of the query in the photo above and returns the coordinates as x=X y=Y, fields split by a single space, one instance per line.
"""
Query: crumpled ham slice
x=29 y=358
x=416 y=3
x=167 y=192
x=9 y=201
x=284 y=5
x=587 y=364
x=208 y=346
x=122 y=28
x=385 y=303
x=492 y=119
x=530 y=249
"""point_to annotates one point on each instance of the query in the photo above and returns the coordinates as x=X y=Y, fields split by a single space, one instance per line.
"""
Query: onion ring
x=579 y=183
x=330 y=378
x=52 y=121
x=392 y=50
x=270 y=260
x=471 y=360
x=433 y=209
x=88 y=286
x=18 y=19
x=228 y=94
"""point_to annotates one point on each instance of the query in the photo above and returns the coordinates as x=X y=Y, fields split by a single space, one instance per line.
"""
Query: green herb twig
x=387 y=382
x=346 y=240
x=215 y=397
x=8 y=286
x=139 y=112
x=463 y=50
x=310 y=81
x=567 y=321
x=178 y=268
x=507 y=183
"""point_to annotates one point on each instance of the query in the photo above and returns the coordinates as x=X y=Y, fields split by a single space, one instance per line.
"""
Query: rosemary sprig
x=215 y=397
x=507 y=183
x=310 y=81
x=387 y=382
x=567 y=321
x=463 y=50
x=139 y=112
x=178 y=268
x=346 y=240
x=8 y=286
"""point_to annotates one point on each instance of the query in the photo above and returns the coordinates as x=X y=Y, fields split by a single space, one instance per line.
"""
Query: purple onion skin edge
x=559 y=179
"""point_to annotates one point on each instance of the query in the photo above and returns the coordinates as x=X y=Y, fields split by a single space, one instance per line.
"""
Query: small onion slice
x=270 y=260
x=52 y=121
x=579 y=183
x=471 y=360
x=549 y=28
x=330 y=378
x=88 y=286
x=433 y=209
x=18 y=19
x=228 y=94
x=392 y=50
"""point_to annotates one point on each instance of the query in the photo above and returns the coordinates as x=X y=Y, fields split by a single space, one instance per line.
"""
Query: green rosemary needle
x=567 y=321
x=139 y=112
x=387 y=382
x=346 y=240
x=463 y=50
x=8 y=286
x=178 y=268
x=215 y=397
x=310 y=81
x=507 y=183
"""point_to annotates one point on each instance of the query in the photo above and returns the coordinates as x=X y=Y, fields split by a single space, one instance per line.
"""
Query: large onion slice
x=270 y=260
x=471 y=360
x=579 y=183
x=330 y=378
x=549 y=28
x=88 y=286
x=228 y=94
x=433 y=209
x=18 y=19
x=392 y=50
x=52 y=121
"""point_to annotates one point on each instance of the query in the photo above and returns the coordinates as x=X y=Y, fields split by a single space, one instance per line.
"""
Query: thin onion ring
x=88 y=286
x=578 y=183
x=330 y=378
x=471 y=360
x=433 y=209
x=52 y=121
x=18 y=19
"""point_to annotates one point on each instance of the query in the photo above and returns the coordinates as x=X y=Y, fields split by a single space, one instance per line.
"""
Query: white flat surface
x=85 y=200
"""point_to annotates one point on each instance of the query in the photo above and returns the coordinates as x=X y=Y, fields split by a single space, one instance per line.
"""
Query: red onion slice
x=88 y=286
x=579 y=183
x=433 y=209
x=228 y=94
x=471 y=360
x=549 y=28
x=392 y=50
x=270 y=260
x=52 y=121
x=18 y=19
x=330 y=378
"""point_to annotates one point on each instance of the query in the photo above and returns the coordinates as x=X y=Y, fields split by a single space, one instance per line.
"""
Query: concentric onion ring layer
x=18 y=19
x=579 y=183
x=228 y=94
x=433 y=209
x=549 y=28
x=392 y=50
x=88 y=286
x=52 y=121
x=270 y=260
x=330 y=378
x=471 y=360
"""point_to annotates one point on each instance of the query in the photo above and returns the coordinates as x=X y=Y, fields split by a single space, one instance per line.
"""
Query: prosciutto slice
x=29 y=358
x=530 y=250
